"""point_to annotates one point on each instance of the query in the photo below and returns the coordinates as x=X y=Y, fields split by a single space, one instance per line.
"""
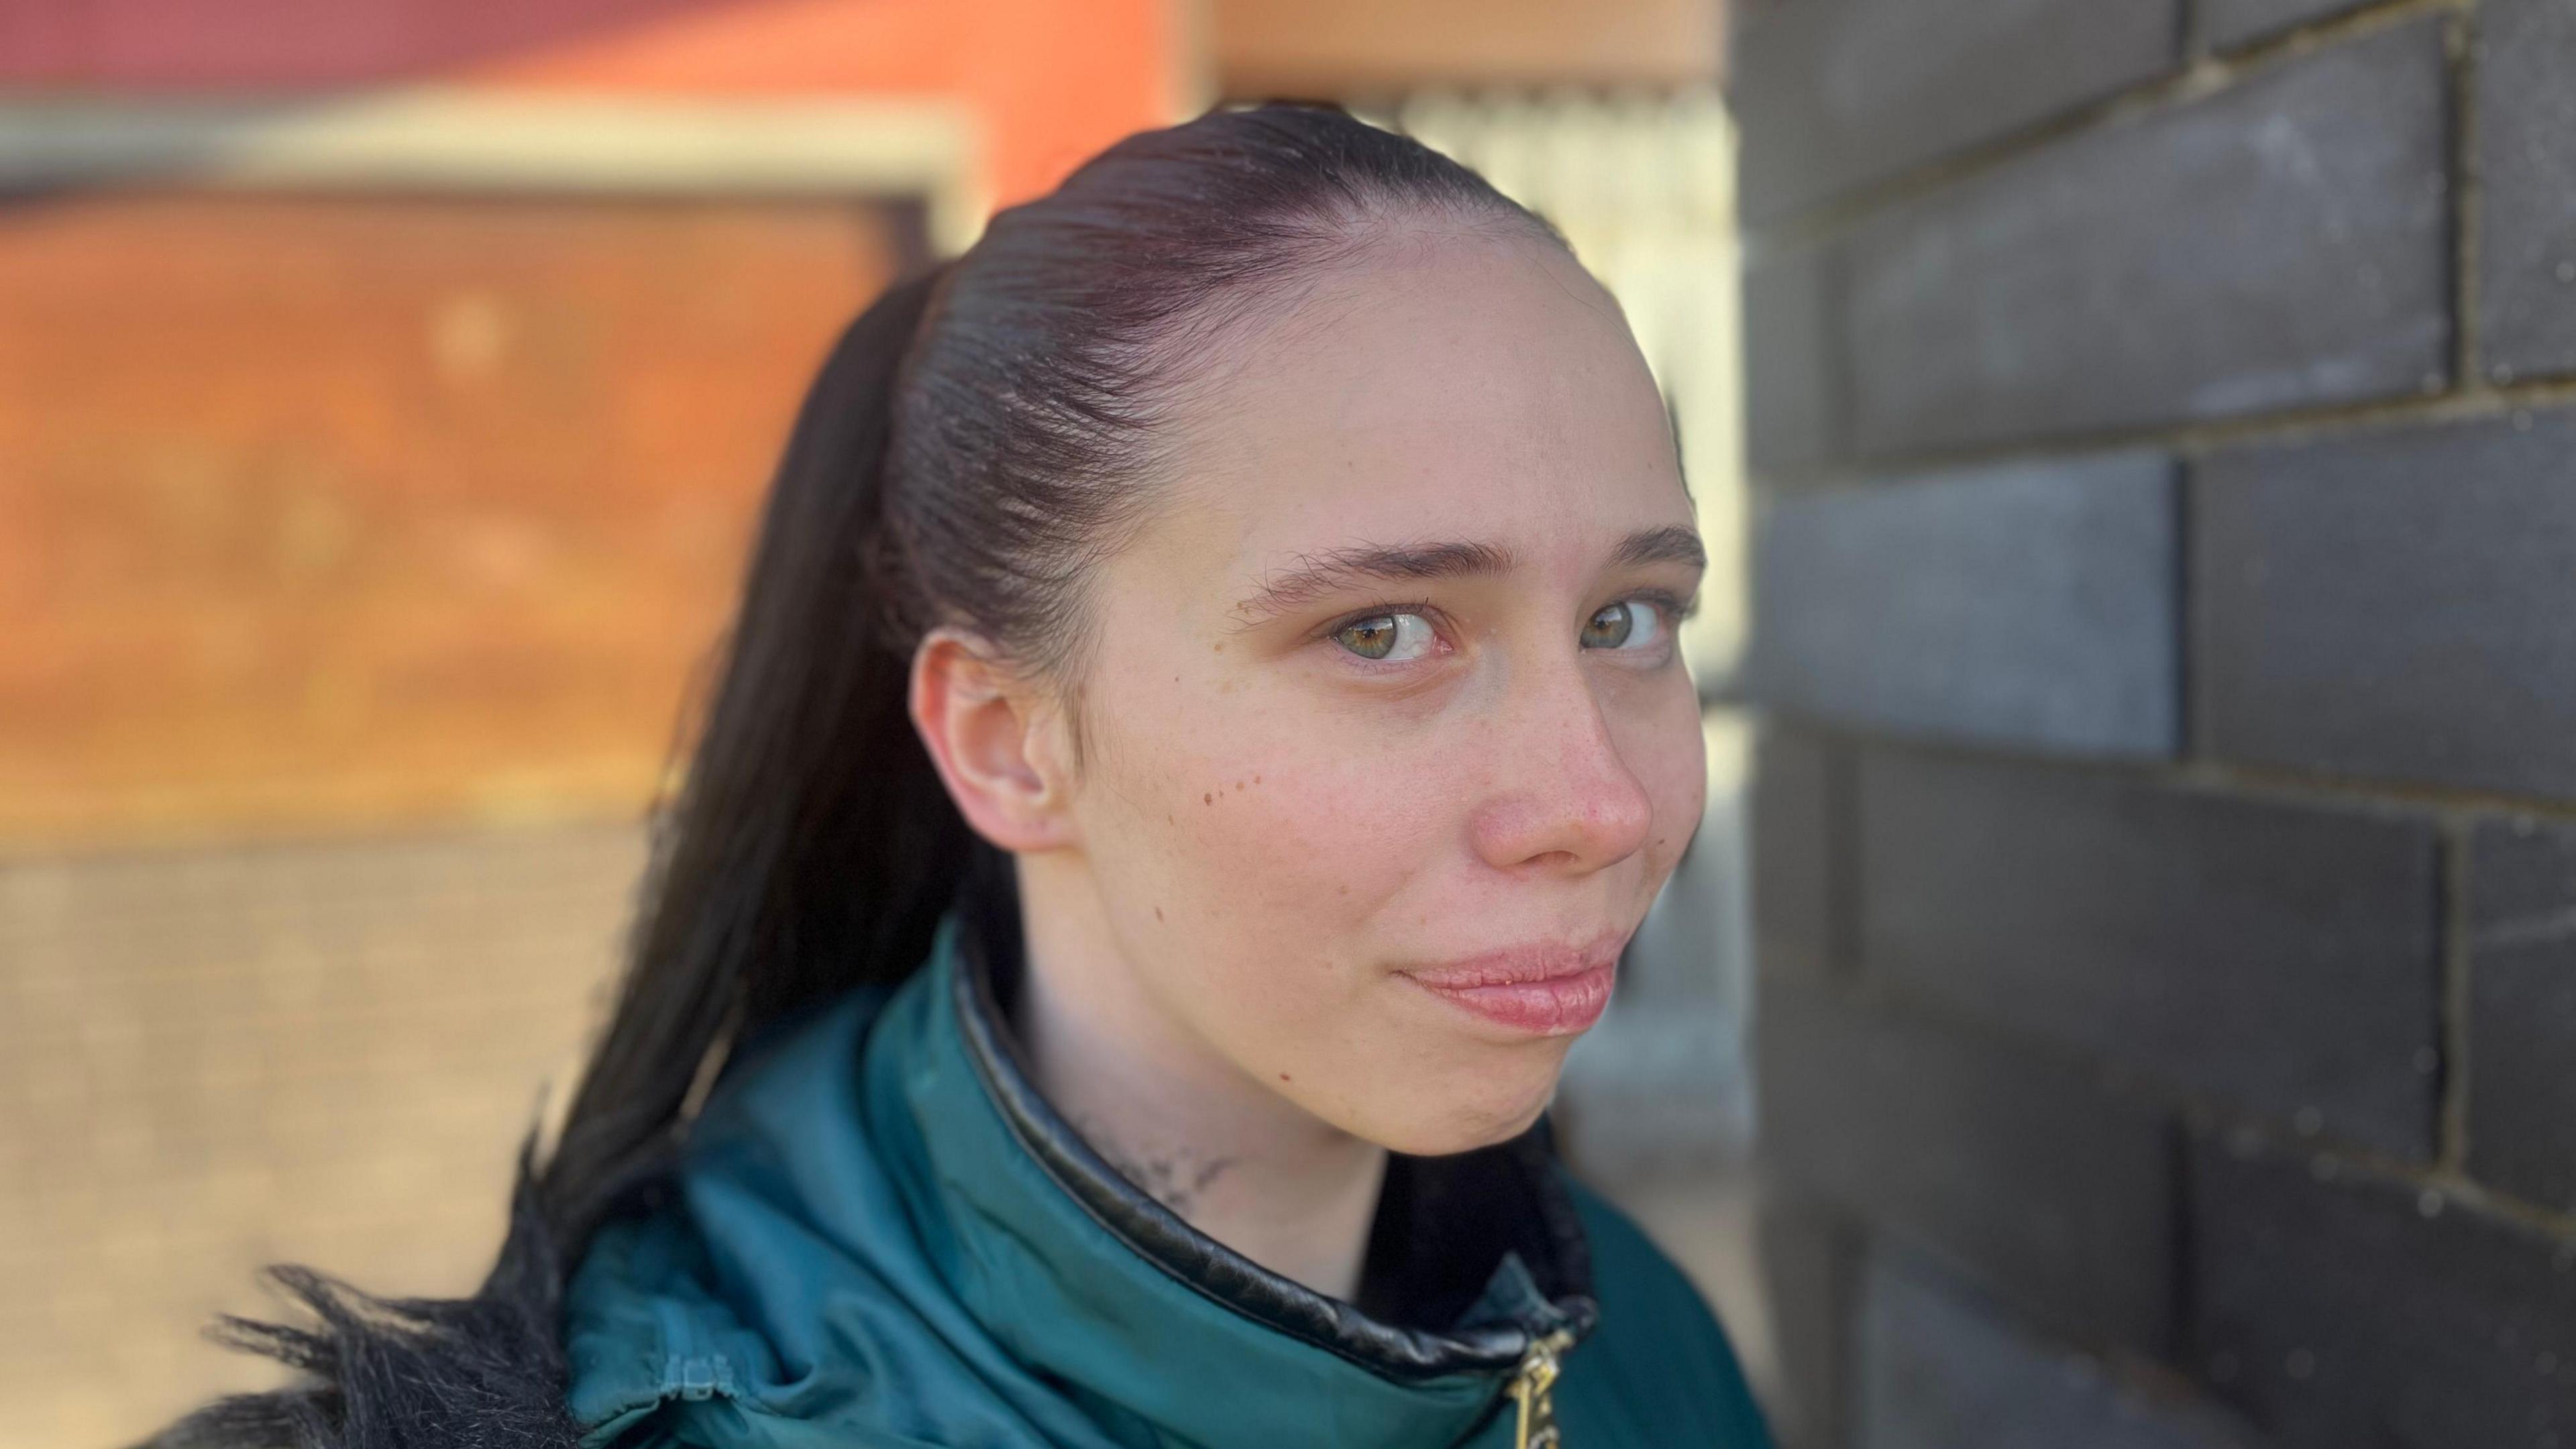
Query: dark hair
x=979 y=438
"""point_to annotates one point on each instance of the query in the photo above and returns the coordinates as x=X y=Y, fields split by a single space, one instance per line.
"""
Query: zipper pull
x=1530 y=1384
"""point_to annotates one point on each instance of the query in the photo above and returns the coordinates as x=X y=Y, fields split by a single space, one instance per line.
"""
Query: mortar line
x=2468 y=221
x=2202 y=1115
x=2459 y=403
x=2193 y=21
x=2456 y=1066
x=2244 y=779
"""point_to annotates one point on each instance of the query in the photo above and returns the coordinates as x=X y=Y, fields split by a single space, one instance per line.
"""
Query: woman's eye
x=1388 y=637
x=1627 y=624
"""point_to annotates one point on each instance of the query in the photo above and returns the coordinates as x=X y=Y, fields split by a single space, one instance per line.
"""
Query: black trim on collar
x=1508 y=1196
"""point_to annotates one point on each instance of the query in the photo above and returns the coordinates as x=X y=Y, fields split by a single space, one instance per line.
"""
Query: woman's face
x=1391 y=744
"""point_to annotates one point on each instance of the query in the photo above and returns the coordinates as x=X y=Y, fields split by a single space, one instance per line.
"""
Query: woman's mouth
x=1544 y=990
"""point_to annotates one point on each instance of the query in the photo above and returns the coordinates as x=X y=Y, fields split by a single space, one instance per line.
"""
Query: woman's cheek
x=1679 y=788
x=1302 y=838
x=1294 y=874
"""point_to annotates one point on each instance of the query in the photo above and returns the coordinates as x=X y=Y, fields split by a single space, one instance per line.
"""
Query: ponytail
x=812 y=846
x=809 y=848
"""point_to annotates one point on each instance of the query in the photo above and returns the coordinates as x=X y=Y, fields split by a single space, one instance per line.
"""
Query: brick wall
x=2163 y=415
x=364 y=510
x=319 y=1051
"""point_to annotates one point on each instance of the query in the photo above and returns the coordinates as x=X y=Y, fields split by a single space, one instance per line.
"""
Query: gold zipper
x=1530 y=1384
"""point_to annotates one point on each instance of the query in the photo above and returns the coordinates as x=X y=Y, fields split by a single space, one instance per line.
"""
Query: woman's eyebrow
x=1318 y=575
x=1669 y=544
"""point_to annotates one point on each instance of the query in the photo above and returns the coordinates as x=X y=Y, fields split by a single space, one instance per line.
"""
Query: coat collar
x=1511 y=1224
x=882 y=1224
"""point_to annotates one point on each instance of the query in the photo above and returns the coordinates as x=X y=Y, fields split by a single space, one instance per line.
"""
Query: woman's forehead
x=1483 y=381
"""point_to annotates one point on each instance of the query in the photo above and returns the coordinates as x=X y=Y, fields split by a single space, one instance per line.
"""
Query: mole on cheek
x=1208 y=799
x=1283 y=1076
x=1158 y=913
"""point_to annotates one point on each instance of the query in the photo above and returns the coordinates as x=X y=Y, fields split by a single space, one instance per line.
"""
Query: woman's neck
x=1227 y=1155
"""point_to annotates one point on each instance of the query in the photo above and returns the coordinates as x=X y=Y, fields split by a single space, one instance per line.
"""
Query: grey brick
x=1808 y=1264
x=2232 y=23
x=1834 y=94
x=1941 y=1369
x=2279 y=956
x=2522 y=1020
x=1794 y=810
x=2341 y=1310
x=2398 y=603
x=2032 y=605
x=1790 y=426
x=2526 y=138
x=2281 y=244
x=2041 y=1184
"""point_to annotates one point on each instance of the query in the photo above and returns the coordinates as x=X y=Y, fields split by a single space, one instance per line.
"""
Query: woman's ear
x=992 y=740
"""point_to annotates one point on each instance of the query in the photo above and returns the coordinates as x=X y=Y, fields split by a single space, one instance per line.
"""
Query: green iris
x=1370 y=638
x=1611 y=627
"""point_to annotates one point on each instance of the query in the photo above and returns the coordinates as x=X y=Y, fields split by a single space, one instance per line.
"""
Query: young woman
x=1203 y=722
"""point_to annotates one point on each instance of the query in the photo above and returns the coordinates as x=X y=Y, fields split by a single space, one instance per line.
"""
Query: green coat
x=883 y=1236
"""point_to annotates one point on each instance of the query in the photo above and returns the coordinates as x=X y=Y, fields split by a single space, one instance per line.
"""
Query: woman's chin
x=1444 y=1120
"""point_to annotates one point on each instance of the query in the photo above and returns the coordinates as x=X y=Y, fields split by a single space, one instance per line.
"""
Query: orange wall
x=365 y=509
x=1052 y=80
x=1371 y=49
x=356 y=511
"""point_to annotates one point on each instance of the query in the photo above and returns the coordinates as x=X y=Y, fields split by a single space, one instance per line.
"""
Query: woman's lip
x=1517 y=965
x=1557 y=1005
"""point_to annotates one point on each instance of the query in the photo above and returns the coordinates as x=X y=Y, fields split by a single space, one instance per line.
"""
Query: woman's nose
x=1561 y=794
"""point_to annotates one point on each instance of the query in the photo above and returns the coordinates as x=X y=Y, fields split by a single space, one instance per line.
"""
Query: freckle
x=1158 y=913
x=1341 y=890
x=1238 y=785
x=1256 y=779
x=1207 y=799
x=1283 y=1076
x=1220 y=648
